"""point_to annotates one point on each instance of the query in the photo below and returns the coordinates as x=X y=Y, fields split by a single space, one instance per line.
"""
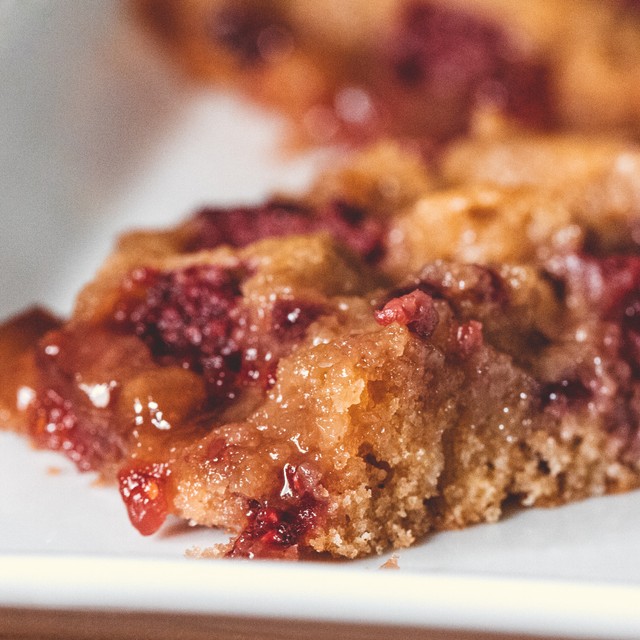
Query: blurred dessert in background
x=359 y=70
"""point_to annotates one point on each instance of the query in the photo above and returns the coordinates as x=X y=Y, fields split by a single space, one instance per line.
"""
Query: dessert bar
x=403 y=349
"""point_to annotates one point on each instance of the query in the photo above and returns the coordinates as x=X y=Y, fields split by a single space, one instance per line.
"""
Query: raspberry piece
x=610 y=287
x=241 y=226
x=53 y=425
x=56 y=422
x=414 y=310
x=462 y=60
x=275 y=531
x=72 y=409
x=352 y=226
x=144 y=491
x=189 y=317
x=467 y=337
x=195 y=317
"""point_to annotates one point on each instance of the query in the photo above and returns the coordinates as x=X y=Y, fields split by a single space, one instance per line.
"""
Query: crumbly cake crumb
x=391 y=563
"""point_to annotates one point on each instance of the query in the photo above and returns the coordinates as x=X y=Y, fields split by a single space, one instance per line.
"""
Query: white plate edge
x=310 y=592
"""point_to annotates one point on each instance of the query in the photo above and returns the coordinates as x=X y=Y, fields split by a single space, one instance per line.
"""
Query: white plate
x=96 y=136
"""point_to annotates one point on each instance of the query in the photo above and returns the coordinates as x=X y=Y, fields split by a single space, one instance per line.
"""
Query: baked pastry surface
x=402 y=349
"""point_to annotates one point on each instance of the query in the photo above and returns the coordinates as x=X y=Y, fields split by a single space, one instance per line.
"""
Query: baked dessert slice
x=286 y=372
x=415 y=68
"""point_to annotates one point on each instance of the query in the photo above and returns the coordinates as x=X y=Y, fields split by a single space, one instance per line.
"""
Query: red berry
x=277 y=531
x=144 y=491
x=241 y=226
x=414 y=310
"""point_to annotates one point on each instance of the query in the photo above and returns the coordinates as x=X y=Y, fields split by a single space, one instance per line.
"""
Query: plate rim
x=571 y=609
